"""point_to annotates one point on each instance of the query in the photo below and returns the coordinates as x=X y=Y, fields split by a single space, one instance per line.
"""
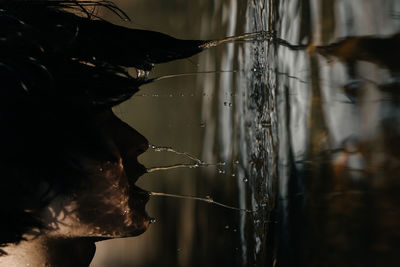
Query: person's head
x=69 y=173
x=68 y=164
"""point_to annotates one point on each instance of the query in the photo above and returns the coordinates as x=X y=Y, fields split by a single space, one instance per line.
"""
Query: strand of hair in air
x=205 y=199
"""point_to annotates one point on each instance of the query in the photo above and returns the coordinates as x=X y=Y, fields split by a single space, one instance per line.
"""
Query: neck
x=54 y=252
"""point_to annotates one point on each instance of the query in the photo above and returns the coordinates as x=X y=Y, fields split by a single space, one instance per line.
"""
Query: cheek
x=106 y=207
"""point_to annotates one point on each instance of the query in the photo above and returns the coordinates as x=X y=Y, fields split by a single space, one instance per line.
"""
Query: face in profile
x=105 y=203
x=72 y=180
x=68 y=164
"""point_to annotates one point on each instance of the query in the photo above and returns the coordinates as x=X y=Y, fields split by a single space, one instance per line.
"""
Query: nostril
x=142 y=148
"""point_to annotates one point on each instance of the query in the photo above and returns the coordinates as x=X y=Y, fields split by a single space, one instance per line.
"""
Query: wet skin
x=61 y=75
x=109 y=200
x=103 y=203
x=68 y=164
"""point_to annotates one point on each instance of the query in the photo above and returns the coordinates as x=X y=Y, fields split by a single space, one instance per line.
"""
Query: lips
x=134 y=170
x=138 y=199
x=132 y=167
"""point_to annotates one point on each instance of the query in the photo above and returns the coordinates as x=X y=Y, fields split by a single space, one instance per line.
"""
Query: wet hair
x=60 y=63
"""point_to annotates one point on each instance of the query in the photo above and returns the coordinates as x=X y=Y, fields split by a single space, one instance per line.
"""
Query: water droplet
x=233 y=175
x=153 y=220
x=196 y=165
x=254 y=69
x=230 y=104
x=236 y=162
x=225 y=103
x=182 y=94
x=203 y=124
x=24 y=87
x=226 y=226
x=265 y=124
x=209 y=199
x=235 y=230
x=142 y=74
x=221 y=171
x=101 y=169
x=245 y=180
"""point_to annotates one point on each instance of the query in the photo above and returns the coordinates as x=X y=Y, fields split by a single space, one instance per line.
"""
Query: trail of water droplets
x=206 y=199
x=197 y=162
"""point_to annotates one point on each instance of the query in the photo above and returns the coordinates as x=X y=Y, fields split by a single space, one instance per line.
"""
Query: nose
x=129 y=142
x=141 y=144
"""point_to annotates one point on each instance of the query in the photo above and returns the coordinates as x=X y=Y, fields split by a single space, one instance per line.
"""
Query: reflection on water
x=336 y=169
x=308 y=125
